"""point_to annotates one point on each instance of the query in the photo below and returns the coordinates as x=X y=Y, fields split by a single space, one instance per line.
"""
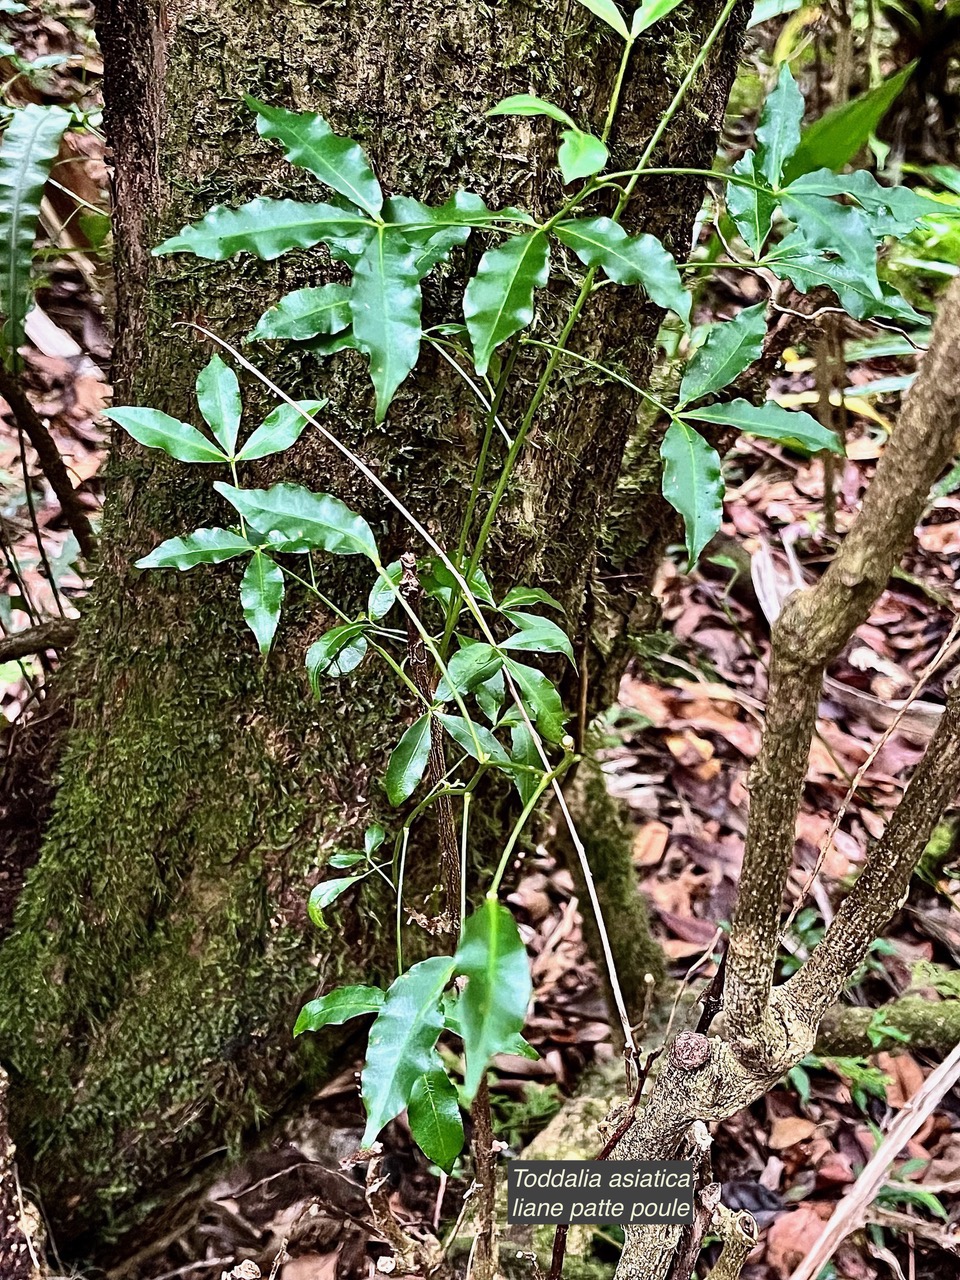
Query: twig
x=861 y=773
x=48 y=635
x=48 y=455
x=420 y=673
x=850 y=1213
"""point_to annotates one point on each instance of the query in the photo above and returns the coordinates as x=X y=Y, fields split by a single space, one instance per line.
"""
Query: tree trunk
x=161 y=945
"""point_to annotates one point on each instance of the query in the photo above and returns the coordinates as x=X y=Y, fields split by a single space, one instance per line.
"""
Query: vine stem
x=642 y=166
x=474 y=605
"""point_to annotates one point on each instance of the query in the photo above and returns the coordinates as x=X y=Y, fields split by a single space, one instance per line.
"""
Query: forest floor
x=677 y=751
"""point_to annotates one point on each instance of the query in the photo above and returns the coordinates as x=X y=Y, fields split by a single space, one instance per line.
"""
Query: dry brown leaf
x=649 y=844
x=787 y=1131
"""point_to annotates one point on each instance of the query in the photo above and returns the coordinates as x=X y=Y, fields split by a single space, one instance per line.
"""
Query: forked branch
x=810 y=632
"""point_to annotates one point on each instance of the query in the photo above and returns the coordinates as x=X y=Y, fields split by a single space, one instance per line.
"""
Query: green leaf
x=280 y=429
x=536 y=634
x=840 y=133
x=203 y=546
x=408 y=761
x=261 y=596
x=338 y=1007
x=435 y=1121
x=310 y=143
x=385 y=305
x=772 y=423
x=752 y=208
x=267 y=228
x=338 y=652
x=860 y=296
x=373 y=838
x=493 y=1006
x=836 y=229
x=517 y=597
x=468 y=668
x=692 y=484
x=498 y=301
x=601 y=242
x=342 y=861
x=541 y=697
x=890 y=210
x=306 y=313
x=218 y=395
x=778 y=134
x=518 y=1047
x=307 y=521
x=437 y=581
x=475 y=740
x=158 y=430
x=608 y=12
x=30 y=145
x=382 y=598
x=527 y=104
x=731 y=347
x=401 y=1044
x=325 y=895
x=524 y=751
x=434 y=232
x=649 y=13
x=490 y=695
x=580 y=155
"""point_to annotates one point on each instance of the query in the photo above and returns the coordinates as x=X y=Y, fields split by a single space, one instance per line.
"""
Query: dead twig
x=850 y=1213
x=48 y=635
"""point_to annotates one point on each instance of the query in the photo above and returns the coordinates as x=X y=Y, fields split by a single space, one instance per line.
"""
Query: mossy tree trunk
x=161 y=945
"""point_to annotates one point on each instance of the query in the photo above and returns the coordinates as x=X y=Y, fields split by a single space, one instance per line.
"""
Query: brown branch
x=50 y=461
x=420 y=673
x=48 y=635
x=882 y=885
x=485 y=1159
x=809 y=633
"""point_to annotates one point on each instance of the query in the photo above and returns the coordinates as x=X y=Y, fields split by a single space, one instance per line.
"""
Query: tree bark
x=161 y=946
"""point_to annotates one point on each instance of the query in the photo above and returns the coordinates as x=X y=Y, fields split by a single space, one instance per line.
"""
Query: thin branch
x=882 y=885
x=810 y=632
x=50 y=461
x=48 y=635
